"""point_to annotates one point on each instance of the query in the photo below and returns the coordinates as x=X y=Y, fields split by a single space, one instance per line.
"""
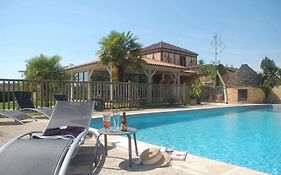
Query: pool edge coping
x=192 y=162
x=189 y=108
x=121 y=142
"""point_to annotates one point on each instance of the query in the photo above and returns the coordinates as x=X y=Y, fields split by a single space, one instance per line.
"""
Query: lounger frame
x=66 y=156
x=23 y=99
x=3 y=113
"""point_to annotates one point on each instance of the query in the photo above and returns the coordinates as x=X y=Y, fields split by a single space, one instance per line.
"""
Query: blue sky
x=70 y=28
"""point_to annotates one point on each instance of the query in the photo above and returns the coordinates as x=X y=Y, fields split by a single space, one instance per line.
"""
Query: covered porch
x=160 y=81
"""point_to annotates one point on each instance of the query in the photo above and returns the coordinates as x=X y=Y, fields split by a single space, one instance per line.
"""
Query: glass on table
x=116 y=119
x=106 y=120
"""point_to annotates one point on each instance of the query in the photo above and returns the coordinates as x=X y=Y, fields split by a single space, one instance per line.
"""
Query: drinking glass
x=106 y=121
x=116 y=119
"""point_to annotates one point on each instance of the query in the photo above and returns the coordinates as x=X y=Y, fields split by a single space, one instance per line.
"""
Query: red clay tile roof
x=146 y=60
x=161 y=63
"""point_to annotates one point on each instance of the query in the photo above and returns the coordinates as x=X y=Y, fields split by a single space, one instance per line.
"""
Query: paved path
x=82 y=164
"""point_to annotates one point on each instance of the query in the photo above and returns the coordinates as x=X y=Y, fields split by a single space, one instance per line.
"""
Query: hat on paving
x=154 y=157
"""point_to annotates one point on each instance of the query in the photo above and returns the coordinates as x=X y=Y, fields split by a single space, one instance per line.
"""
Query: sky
x=250 y=29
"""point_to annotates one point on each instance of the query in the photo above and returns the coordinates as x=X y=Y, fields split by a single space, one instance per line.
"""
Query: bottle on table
x=124 y=122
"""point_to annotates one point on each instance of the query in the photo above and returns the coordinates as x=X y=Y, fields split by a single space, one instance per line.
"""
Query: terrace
x=130 y=96
x=117 y=163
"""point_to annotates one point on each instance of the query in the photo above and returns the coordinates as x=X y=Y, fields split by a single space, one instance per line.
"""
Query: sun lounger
x=61 y=97
x=16 y=115
x=24 y=102
x=99 y=103
x=51 y=152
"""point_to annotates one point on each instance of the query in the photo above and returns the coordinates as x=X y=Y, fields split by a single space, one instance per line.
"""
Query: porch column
x=161 y=92
x=176 y=81
x=175 y=77
x=149 y=75
x=90 y=85
x=178 y=85
x=162 y=77
x=109 y=70
x=71 y=86
x=185 y=93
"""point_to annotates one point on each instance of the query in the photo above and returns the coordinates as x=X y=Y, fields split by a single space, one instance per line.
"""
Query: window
x=192 y=61
x=182 y=61
x=242 y=94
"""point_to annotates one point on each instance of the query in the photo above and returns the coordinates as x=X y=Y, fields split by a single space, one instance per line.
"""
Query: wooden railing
x=114 y=95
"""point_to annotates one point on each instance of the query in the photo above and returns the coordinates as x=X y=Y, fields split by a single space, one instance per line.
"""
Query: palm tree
x=44 y=67
x=119 y=50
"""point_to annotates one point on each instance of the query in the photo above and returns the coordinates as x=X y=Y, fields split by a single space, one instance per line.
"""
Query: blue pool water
x=245 y=136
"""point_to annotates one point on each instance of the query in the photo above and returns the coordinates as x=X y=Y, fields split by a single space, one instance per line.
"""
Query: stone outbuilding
x=244 y=86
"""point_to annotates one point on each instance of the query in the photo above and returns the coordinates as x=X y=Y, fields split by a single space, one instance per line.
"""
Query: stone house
x=163 y=63
x=165 y=66
x=243 y=86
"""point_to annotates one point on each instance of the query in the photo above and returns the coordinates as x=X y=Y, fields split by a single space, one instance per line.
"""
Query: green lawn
x=6 y=105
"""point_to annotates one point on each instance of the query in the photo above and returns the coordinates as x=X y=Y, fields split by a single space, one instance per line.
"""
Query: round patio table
x=111 y=131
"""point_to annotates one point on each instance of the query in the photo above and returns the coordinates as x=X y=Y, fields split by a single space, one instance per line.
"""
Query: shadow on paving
x=83 y=162
x=12 y=123
x=101 y=158
x=135 y=168
x=116 y=163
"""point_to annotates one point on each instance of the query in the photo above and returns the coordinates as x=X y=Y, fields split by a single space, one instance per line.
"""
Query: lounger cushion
x=33 y=156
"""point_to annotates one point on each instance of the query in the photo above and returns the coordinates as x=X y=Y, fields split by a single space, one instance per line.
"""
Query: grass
x=6 y=105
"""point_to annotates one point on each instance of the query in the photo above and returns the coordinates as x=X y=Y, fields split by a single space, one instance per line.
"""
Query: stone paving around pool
x=117 y=160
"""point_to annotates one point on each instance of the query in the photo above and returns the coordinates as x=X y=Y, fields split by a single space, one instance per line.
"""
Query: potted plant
x=192 y=98
x=196 y=92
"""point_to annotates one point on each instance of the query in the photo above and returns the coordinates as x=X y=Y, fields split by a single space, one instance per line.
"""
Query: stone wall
x=255 y=95
x=232 y=95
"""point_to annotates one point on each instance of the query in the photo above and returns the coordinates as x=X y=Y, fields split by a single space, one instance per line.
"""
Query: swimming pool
x=245 y=136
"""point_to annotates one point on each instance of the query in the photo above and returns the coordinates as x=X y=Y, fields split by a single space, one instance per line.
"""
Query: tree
x=269 y=68
x=218 y=47
x=45 y=68
x=211 y=70
x=215 y=72
x=201 y=62
x=119 y=50
x=271 y=72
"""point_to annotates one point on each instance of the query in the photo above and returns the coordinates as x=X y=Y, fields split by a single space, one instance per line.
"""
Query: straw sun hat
x=154 y=157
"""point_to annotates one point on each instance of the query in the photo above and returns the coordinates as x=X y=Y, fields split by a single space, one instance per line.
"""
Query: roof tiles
x=164 y=45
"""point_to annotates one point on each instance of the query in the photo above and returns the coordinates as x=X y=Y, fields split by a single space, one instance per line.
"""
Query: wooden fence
x=114 y=95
